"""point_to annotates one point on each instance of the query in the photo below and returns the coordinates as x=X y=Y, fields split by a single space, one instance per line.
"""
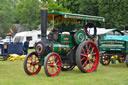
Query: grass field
x=12 y=73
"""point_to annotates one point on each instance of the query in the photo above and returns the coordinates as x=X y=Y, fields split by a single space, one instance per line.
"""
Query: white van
x=34 y=36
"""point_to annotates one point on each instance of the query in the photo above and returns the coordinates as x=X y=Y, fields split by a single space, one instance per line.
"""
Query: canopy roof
x=123 y=38
x=76 y=18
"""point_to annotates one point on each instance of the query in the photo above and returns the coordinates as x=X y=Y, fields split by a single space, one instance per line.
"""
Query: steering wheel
x=90 y=25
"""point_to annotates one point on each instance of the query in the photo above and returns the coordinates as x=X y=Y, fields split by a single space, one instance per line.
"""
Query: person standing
x=25 y=47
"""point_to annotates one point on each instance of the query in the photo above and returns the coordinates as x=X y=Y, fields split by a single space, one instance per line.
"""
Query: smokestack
x=43 y=22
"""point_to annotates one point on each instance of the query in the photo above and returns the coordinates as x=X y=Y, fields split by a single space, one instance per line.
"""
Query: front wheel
x=32 y=64
x=105 y=60
x=87 y=57
x=52 y=64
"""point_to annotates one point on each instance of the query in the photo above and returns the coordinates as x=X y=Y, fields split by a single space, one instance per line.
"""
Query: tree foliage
x=72 y=5
x=28 y=13
x=89 y=7
x=114 y=12
x=53 y=6
x=7 y=15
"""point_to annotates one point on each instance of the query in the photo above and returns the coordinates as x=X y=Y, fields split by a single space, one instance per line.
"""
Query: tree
x=53 y=6
x=86 y=7
x=6 y=16
x=28 y=13
x=72 y=5
x=124 y=14
x=89 y=7
x=114 y=12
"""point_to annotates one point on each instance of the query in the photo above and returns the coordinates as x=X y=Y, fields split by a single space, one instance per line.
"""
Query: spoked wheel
x=52 y=64
x=67 y=68
x=105 y=60
x=87 y=57
x=121 y=58
x=32 y=64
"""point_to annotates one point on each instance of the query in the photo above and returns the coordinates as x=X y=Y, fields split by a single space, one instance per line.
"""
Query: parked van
x=34 y=36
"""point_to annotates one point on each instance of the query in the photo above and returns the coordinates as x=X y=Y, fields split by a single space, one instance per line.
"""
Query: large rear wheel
x=32 y=64
x=87 y=57
x=52 y=64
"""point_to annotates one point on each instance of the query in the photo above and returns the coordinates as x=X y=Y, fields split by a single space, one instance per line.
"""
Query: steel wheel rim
x=89 y=57
x=105 y=60
x=33 y=64
x=53 y=65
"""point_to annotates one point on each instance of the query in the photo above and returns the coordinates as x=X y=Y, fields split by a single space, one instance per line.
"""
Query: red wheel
x=87 y=57
x=105 y=60
x=52 y=64
x=32 y=64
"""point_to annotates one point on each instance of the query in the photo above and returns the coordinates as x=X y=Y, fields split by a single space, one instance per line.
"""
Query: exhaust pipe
x=43 y=47
x=44 y=14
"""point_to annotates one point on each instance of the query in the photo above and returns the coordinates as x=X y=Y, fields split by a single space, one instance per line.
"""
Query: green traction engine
x=62 y=51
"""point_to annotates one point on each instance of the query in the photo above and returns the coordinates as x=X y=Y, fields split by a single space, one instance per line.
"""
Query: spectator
x=25 y=47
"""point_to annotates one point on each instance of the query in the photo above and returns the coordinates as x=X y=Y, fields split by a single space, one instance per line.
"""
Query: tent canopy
x=75 y=18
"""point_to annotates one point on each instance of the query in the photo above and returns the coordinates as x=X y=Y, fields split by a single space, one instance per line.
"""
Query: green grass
x=12 y=73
